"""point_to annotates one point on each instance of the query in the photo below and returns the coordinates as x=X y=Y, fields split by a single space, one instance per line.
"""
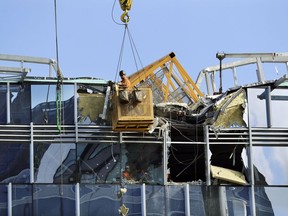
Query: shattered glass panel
x=20 y=104
x=99 y=163
x=90 y=104
x=55 y=163
x=142 y=163
x=3 y=104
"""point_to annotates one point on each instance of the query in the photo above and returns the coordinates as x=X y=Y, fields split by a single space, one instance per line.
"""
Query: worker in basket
x=127 y=92
x=125 y=83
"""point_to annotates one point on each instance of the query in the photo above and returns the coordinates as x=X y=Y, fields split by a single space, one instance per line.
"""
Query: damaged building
x=169 y=149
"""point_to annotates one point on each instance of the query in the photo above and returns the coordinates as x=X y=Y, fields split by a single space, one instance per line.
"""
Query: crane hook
x=125 y=6
x=125 y=17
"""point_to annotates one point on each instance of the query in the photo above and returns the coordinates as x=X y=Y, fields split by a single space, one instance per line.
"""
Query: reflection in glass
x=103 y=199
x=275 y=195
x=44 y=106
x=175 y=200
x=55 y=163
x=236 y=199
x=14 y=162
x=258 y=107
x=196 y=200
x=22 y=200
x=155 y=202
x=56 y=200
x=20 y=104
x=132 y=199
x=3 y=104
x=99 y=163
x=3 y=200
x=272 y=163
x=279 y=107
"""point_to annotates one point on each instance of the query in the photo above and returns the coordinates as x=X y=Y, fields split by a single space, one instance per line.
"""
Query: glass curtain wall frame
x=103 y=199
x=3 y=104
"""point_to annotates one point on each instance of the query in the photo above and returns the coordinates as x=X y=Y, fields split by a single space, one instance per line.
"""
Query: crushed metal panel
x=229 y=113
x=228 y=175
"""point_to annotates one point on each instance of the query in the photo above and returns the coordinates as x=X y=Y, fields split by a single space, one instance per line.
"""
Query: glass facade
x=20 y=104
x=99 y=163
x=47 y=106
x=103 y=199
x=14 y=162
x=265 y=108
x=55 y=163
x=88 y=169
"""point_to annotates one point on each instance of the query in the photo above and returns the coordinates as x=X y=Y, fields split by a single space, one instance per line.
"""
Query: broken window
x=99 y=163
x=90 y=103
x=142 y=163
x=186 y=161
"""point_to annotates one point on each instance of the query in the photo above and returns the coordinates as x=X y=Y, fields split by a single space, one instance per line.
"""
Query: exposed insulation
x=90 y=105
x=232 y=113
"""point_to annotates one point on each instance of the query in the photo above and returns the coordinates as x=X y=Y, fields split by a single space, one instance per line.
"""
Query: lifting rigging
x=162 y=81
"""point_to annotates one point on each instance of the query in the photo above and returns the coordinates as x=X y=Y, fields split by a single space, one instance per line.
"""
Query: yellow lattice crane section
x=168 y=80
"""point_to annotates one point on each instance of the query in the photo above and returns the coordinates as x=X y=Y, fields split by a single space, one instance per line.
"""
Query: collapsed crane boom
x=169 y=81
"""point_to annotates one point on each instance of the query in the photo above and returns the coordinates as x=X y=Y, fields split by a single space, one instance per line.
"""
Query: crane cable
x=59 y=77
x=125 y=6
x=59 y=100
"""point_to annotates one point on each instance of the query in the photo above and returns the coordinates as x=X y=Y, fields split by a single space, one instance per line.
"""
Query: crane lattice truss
x=168 y=80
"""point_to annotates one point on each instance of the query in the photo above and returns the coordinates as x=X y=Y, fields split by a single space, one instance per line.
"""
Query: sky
x=89 y=41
